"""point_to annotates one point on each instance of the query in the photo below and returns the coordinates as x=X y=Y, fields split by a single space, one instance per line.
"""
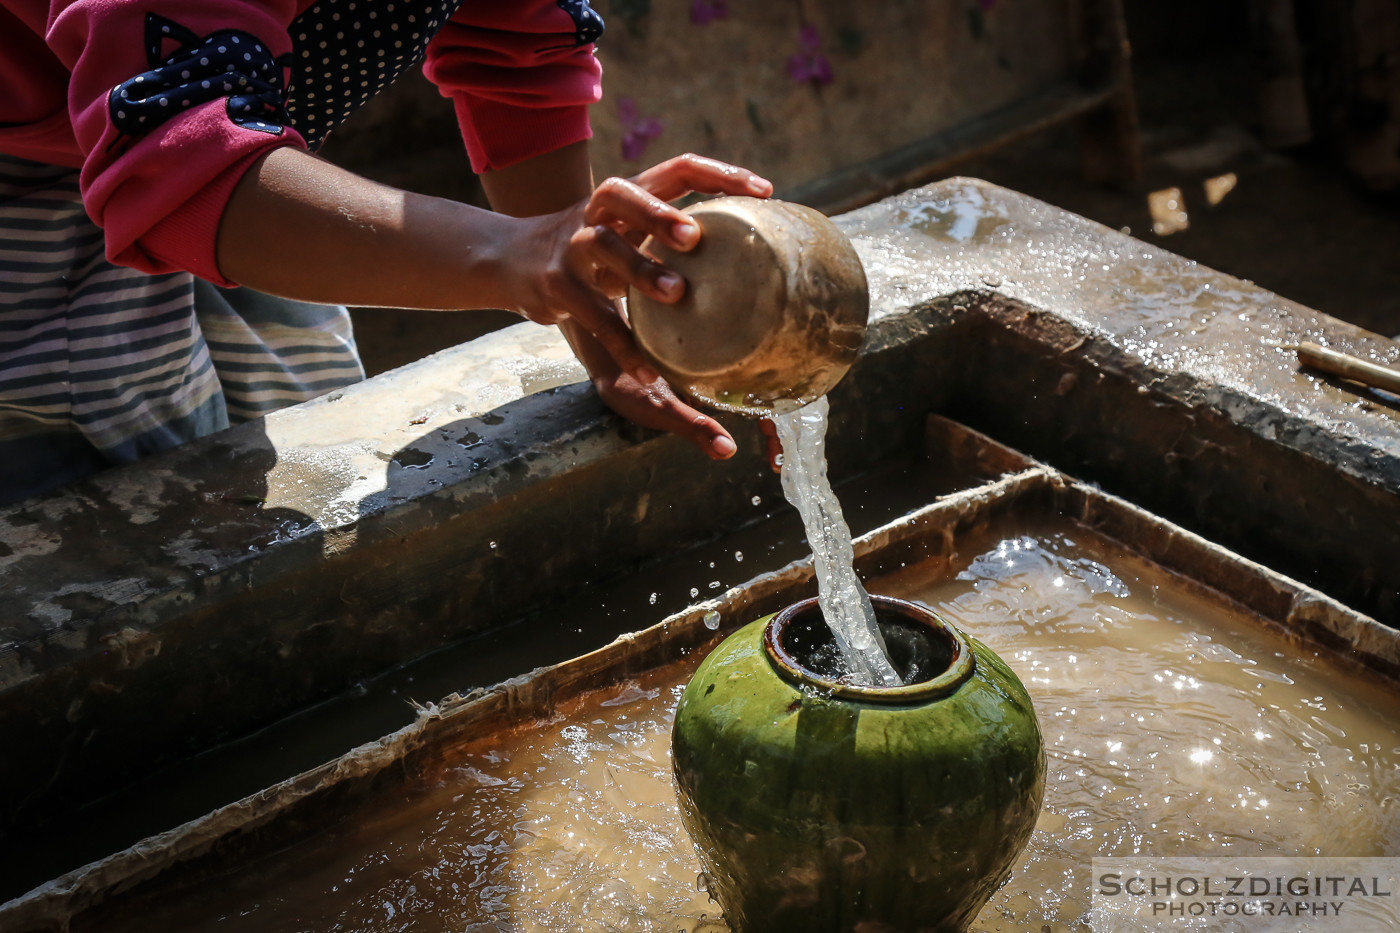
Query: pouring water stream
x=844 y=602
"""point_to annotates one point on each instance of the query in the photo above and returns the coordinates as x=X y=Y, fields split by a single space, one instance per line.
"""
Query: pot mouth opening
x=931 y=656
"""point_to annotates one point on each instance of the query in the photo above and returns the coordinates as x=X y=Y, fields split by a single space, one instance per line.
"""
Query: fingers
x=625 y=206
x=601 y=258
x=616 y=264
x=601 y=318
x=640 y=205
x=698 y=428
x=709 y=435
x=774 y=446
x=686 y=173
x=658 y=406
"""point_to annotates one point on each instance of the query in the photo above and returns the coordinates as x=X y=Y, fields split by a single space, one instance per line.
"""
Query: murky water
x=378 y=706
x=845 y=604
x=1174 y=726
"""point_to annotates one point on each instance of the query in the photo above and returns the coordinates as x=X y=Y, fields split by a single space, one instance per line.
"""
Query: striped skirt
x=100 y=364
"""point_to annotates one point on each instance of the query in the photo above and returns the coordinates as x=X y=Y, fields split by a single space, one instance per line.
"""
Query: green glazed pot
x=817 y=805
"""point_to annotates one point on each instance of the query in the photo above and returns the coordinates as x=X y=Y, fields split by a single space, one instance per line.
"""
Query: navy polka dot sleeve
x=343 y=54
x=346 y=52
x=227 y=64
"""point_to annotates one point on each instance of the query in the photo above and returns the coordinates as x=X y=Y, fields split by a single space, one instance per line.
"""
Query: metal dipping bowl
x=774 y=311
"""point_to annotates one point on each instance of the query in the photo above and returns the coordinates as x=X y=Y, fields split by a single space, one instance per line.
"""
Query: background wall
x=1299 y=221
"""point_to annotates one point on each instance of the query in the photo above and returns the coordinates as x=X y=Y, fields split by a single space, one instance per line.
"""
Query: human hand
x=773 y=446
x=572 y=264
x=657 y=405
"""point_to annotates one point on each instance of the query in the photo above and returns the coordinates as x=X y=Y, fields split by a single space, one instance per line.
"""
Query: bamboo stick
x=1346 y=365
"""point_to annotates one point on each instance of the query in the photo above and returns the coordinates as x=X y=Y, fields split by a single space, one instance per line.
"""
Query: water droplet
x=694 y=592
x=739 y=556
x=712 y=620
x=756 y=500
x=715 y=584
x=493 y=545
x=654 y=598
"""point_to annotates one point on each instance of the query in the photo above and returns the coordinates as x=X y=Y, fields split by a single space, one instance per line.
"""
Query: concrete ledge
x=161 y=608
x=1153 y=375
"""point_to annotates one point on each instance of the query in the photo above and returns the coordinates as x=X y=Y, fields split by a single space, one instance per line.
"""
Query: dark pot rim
x=959 y=669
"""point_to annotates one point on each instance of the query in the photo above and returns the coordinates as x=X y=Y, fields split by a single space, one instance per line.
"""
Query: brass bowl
x=774 y=311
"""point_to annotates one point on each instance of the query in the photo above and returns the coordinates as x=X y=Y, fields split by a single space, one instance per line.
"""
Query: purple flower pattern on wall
x=810 y=64
x=705 y=11
x=637 y=131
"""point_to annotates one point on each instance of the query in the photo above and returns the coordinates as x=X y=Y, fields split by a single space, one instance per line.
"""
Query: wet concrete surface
x=1295 y=222
x=165 y=607
x=1200 y=331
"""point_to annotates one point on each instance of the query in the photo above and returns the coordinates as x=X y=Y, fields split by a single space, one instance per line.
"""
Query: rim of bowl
x=959 y=669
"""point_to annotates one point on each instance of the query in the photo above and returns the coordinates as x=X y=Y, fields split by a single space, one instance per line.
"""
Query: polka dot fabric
x=346 y=51
x=227 y=64
x=343 y=53
x=588 y=25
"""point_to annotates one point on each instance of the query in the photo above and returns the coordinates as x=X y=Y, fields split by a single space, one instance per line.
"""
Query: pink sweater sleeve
x=520 y=73
x=159 y=194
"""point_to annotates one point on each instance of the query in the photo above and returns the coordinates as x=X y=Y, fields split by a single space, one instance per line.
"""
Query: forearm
x=543 y=185
x=300 y=227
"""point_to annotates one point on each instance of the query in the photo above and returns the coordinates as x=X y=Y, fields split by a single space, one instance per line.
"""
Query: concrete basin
x=157 y=611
